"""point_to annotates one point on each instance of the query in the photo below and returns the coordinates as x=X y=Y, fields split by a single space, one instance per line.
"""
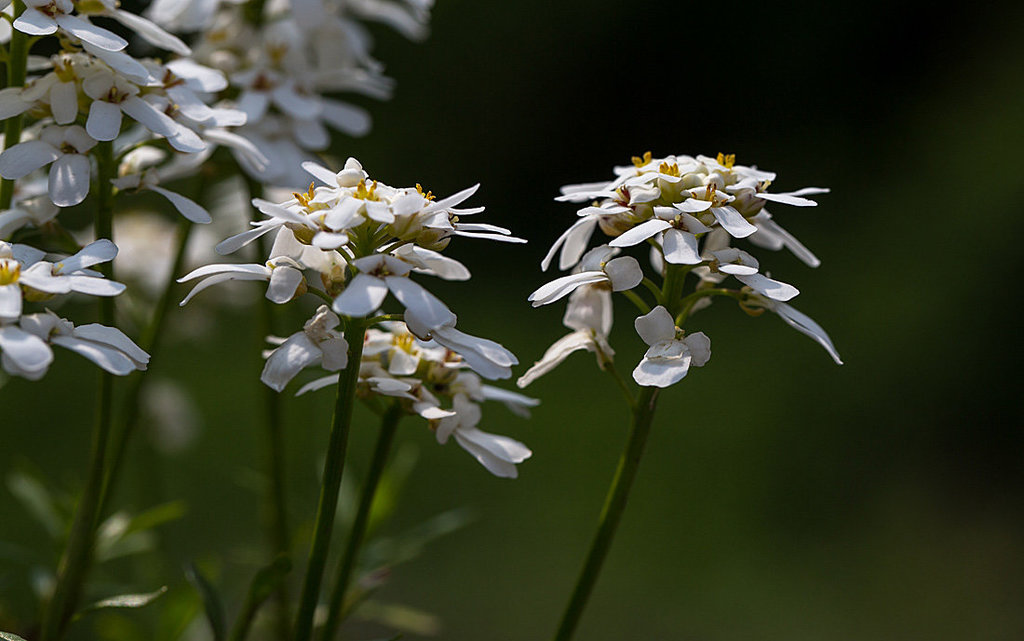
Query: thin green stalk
x=333 y=468
x=150 y=342
x=611 y=514
x=388 y=426
x=74 y=565
x=687 y=303
x=277 y=512
x=636 y=300
x=17 y=62
x=672 y=288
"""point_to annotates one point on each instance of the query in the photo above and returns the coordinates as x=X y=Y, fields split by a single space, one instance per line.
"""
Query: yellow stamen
x=429 y=195
x=669 y=170
x=10 y=270
x=726 y=160
x=640 y=162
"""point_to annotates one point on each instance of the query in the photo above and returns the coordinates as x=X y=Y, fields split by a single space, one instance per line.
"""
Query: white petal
x=640 y=233
x=426 y=307
x=346 y=118
x=104 y=122
x=485 y=357
x=221 y=278
x=150 y=32
x=24 y=158
x=11 y=302
x=69 y=180
x=680 y=248
x=108 y=358
x=661 y=372
x=624 y=273
x=96 y=252
x=699 y=346
x=806 y=325
x=284 y=281
x=197 y=76
x=113 y=337
x=773 y=289
x=561 y=287
x=295 y=104
x=64 y=102
x=788 y=199
x=362 y=296
x=185 y=206
x=655 y=326
x=733 y=222
x=27 y=351
x=451 y=201
x=88 y=32
x=323 y=174
x=288 y=360
x=35 y=23
x=496 y=453
x=329 y=240
x=94 y=286
x=319 y=383
x=558 y=352
x=693 y=205
x=12 y=103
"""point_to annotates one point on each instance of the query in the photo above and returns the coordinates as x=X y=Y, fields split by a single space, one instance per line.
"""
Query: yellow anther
x=10 y=270
x=640 y=162
x=419 y=190
x=364 y=193
x=304 y=199
x=726 y=160
x=403 y=342
x=669 y=170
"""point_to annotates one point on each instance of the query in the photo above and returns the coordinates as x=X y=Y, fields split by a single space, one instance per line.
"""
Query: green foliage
x=213 y=606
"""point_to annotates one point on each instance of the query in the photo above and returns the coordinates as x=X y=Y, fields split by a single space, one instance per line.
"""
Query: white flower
x=379 y=274
x=744 y=268
x=499 y=454
x=318 y=342
x=802 y=323
x=72 y=275
x=283 y=273
x=589 y=314
x=669 y=357
x=678 y=232
x=597 y=266
x=66 y=148
x=43 y=17
x=36 y=211
x=108 y=347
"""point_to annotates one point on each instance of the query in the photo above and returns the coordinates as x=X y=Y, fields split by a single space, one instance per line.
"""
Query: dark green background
x=782 y=497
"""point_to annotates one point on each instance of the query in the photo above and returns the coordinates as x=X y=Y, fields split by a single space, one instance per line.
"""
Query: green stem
x=388 y=426
x=277 y=513
x=636 y=300
x=150 y=342
x=672 y=288
x=17 y=62
x=687 y=303
x=333 y=468
x=614 y=506
x=253 y=12
x=74 y=565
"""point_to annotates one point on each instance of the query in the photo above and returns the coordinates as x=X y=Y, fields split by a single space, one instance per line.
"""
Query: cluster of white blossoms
x=429 y=380
x=25 y=339
x=286 y=67
x=689 y=211
x=353 y=241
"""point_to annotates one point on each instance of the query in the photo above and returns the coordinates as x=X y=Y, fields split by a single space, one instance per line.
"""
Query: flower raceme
x=689 y=210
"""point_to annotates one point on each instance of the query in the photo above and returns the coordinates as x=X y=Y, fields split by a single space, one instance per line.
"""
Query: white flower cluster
x=689 y=210
x=25 y=339
x=353 y=241
x=286 y=66
x=429 y=380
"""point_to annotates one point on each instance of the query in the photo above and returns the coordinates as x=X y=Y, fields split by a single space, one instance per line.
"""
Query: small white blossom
x=669 y=356
x=318 y=342
x=597 y=266
x=499 y=454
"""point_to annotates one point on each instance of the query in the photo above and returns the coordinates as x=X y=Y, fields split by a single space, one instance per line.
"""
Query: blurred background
x=782 y=496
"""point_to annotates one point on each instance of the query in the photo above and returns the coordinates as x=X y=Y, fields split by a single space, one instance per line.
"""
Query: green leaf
x=38 y=501
x=266 y=581
x=212 y=603
x=126 y=601
x=8 y=636
x=156 y=516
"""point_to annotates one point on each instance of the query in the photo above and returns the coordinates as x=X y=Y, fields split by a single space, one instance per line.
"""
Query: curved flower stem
x=614 y=506
x=333 y=468
x=150 y=342
x=636 y=300
x=672 y=288
x=17 y=62
x=609 y=367
x=654 y=289
x=74 y=564
x=388 y=426
x=687 y=303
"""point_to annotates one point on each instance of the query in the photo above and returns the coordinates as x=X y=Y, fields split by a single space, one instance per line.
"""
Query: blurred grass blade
x=38 y=501
x=8 y=636
x=125 y=601
x=265 y=583
x=156 y=516
x=212 y=603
